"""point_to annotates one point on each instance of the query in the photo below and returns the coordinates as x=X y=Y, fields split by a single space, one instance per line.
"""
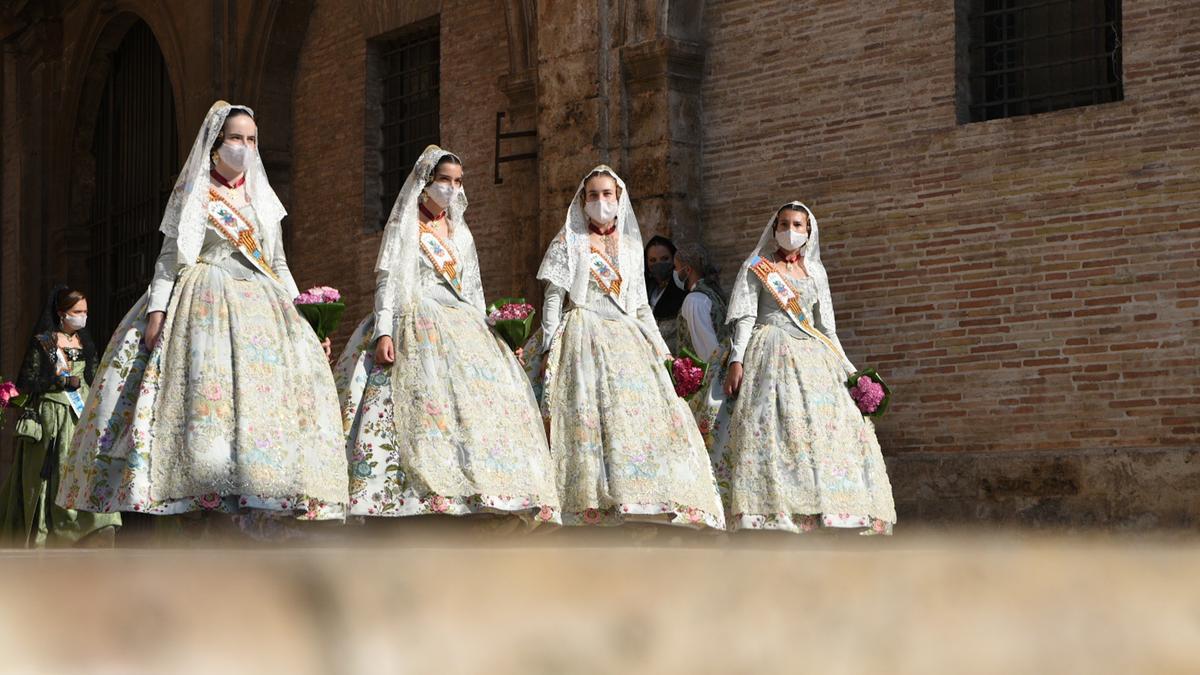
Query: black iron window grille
x=1031 y=56
x=136 y=152
x=409 y=82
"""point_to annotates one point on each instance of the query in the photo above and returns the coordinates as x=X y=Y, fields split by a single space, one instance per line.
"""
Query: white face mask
x=790 y=240
x=680 y=282
x=602 y=211
x=74 y=321
x=238 y=157
x=442 y=194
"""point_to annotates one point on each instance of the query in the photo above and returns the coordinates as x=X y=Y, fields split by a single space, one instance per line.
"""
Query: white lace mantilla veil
x=186 y=216
x=567 y=260
x=743 y=301
x=400 y=250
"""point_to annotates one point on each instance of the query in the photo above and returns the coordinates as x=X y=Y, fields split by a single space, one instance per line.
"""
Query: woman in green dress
x=60 y=363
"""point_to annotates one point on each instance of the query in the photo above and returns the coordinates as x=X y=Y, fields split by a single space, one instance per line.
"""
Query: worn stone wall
x=619 y=84
x=1027 y=285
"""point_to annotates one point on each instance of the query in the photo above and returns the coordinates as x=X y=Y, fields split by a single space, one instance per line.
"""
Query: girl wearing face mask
x=624 y=444
x=215 y=394
x=58 y=367
x=792 y=452
x=439 y=415
x=665 y=296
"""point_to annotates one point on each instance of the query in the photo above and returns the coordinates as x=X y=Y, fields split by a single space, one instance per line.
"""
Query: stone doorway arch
x=125 y=162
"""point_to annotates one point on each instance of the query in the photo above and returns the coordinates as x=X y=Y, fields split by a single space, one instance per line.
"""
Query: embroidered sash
x=605 y=273
x=232 y=225
x=63 y=370
x=442 y=259
x=789 y=302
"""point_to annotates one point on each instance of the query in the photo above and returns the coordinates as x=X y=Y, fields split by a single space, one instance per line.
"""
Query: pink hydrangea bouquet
x=9 y=398
x=687 y=372
x=322 y=307
x=870 y=393
x=512 y=319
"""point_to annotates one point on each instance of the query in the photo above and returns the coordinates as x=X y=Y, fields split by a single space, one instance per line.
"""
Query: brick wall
x=1028 y=284
x=329 y=241
x=474 y=58
x=329 y=244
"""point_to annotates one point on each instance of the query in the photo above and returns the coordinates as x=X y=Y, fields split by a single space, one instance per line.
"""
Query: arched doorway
x=136 y=151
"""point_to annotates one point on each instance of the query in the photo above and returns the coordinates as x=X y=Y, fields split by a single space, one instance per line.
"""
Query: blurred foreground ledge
x=652 y=600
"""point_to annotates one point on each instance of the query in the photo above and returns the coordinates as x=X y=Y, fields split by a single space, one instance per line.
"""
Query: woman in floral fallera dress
x=625 y=446
x=791 y=450
x=439 y=415
x=214 y=394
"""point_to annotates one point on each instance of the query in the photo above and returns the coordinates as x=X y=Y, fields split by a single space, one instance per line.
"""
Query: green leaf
x=324 y=317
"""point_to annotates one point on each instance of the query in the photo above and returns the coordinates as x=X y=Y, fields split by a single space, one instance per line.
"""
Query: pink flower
x=545 y=513
x=439 y=504
x=317 y=295
x=210 y=501
x=867 y=394
x=510 y=312
x=686 y=376
x=8 y=391
x=591 y=516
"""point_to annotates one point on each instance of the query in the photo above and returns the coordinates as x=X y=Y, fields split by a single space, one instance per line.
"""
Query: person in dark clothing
x=665 y=297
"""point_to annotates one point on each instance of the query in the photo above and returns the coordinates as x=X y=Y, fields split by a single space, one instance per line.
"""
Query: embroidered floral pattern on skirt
x=626 y=447
x=451 y=427
x=235 y=409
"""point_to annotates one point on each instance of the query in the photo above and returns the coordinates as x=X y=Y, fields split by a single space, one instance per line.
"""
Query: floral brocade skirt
x=234 y=410
x=451 y=427
x=792 y=451
x=624 y=444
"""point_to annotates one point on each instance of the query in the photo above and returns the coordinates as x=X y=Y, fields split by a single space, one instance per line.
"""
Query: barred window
x=1023 y=57
x=408 y=75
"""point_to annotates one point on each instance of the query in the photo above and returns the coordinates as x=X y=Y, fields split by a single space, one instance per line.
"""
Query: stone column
x=662 y=62
x=573 y=96
x=662 y=147
x=521 y=178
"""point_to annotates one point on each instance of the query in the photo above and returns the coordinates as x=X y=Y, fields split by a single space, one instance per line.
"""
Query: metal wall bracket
x=504 y=136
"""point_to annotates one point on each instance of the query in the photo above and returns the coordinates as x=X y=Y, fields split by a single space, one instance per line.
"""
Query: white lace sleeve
x=385 y=304
x=163 y=281
x=551 y=314
x=745 y=324
x=556 y=264
x=472 y=283
x=697 y=312
x=824 y=323
x=741 y=338
x=280 y=266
